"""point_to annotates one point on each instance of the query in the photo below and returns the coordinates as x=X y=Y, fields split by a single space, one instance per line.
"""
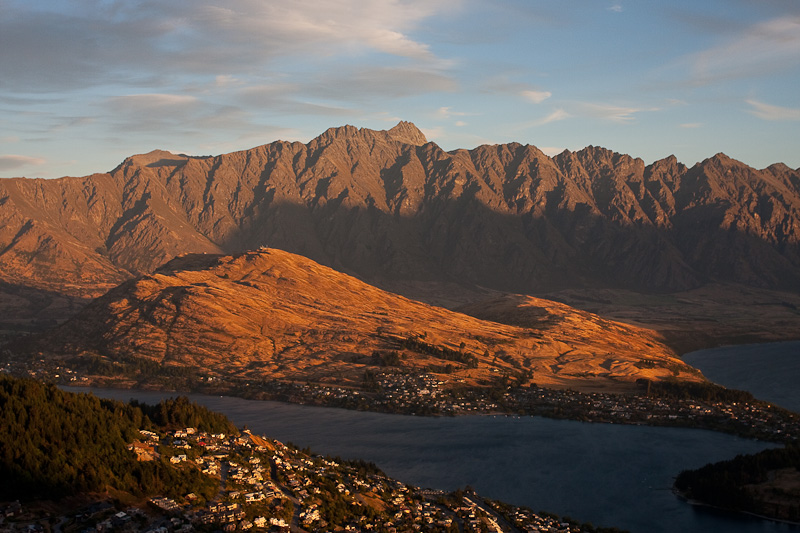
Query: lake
x=770 y=371
x=609 y=475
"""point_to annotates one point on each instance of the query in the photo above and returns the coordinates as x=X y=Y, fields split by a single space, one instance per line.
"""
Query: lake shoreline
x=702 y=504
x=667 y=404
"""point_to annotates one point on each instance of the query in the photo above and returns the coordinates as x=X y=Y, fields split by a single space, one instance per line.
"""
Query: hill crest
x=269 y=314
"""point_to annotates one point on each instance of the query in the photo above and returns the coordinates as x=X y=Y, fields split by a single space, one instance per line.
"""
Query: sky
x=86 y=83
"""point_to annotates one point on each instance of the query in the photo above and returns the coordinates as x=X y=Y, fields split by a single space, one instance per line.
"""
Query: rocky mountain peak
x=341 y=131
x=155 y=158
x=407 y=132
x=721 y=160
x=404 y=132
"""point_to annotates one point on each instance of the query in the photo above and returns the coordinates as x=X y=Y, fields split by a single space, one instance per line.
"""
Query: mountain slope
x=391 y=207
x=274 y=315
x=388 y=204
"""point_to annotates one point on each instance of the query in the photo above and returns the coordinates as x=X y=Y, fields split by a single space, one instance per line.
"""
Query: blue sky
x=86 y=83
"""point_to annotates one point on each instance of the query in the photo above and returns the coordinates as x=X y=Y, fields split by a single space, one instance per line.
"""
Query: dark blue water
x=770 y=371
x=610 y=475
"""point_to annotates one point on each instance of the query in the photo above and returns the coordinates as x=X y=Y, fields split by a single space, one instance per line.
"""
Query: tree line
x=725 y=484
x=440 y=352
x=56 y=443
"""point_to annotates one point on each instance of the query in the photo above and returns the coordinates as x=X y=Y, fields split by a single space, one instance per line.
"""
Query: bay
x=609 y=475
x=770 y=371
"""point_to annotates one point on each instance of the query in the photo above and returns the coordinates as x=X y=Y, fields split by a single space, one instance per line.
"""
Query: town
x=265 y=485
x=424 y=394
x=705 y=406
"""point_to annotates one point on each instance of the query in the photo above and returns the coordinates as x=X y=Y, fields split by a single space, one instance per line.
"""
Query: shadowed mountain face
x=388 y=206
x=270 y=314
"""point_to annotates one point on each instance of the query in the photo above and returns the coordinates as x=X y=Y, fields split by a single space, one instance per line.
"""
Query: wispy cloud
x=287 y=98
x=224 y=81
x=773 y=112
x=165 y=114
x=364 y=83
x=57 y=46
x=537 y=97
x=445 y=113
x=614 y=113
x=138 y=103
x=11 y=162
x=577 y=110
x=762 y=48
x=433 y=134
x=692 y=125
x=616 y=8
x=555 y=116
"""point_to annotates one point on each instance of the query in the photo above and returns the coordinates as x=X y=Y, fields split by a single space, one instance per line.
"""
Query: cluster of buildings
x=530 y=522
x=426 y=394
x=391 y=392
x=265 y=485
x=754 y=420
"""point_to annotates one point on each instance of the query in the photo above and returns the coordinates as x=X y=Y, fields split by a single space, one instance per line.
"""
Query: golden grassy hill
x=275 y=315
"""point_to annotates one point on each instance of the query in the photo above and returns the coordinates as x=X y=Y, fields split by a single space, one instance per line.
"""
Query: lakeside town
x=265 y=485
x=705 y=406
x=424 y=394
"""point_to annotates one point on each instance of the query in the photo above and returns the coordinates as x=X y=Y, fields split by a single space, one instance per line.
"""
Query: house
x=149 y=434
x=254 y=497
x=120 y=518
x=143 y=451
x=278 y=522
x=166 y=504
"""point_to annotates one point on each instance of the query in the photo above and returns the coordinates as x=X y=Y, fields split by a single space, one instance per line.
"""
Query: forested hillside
x=55 y=443
x=766 y=483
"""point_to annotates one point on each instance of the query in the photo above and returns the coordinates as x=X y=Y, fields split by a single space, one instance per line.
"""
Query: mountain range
x=396 y=210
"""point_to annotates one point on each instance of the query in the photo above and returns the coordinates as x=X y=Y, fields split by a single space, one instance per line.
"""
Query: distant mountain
x=270 y=314
x=398 y=211
x=388 y=204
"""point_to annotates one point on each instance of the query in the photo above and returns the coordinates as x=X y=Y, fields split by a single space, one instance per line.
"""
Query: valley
x=372 y=270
